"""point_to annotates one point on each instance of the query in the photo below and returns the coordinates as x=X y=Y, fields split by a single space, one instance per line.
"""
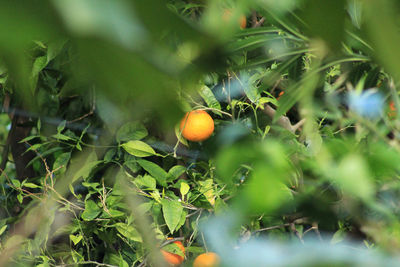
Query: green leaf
x=174 y=249
x=252 y=93
x=352 y=175
x=26 y=139
x=131 y=131
x=61 y=126
x=207 y=189
x=75 y=239
x=146 y=181
x=62 y=160
x=138 y=148
x=16 y=183
x=210 y=99
x=132 y=165
x=172 y=211
x=110 y=154
x=338 y=236
x=179 y=136
x=31 y=185
x=86 y=167
x=256 y=41
x=62 y=137
x=3 y=229
x=91 y=210
x=38 y=66
x=34 y=147
x=184 y=189
x=39 y=125
x=20 y=198
x=154 y=170
x=175 y=172
x=128 y=231
x=122 y=262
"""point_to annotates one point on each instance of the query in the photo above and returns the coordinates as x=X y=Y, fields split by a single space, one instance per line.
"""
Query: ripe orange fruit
x=197 y=125
x=174 y=259
x=242 y=19
x=280 y=94
x=209 y=259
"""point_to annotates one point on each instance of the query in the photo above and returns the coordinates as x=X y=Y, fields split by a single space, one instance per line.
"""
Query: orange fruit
x=174 y=259
x=197 y=125
x=242 y=19
x=280 y=94
x=209 y=259
x=392 y=110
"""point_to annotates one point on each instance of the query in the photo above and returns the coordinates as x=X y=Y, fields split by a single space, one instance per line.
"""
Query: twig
x=298 y=125
x=171 y=240
x=86 y=262
x=91 y=112
x=293 y=229
x=253 y=19
x=271 y=228
x=282 y=120
x=259 y=23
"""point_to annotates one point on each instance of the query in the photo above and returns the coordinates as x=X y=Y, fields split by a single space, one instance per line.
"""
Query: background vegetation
x=303 y=167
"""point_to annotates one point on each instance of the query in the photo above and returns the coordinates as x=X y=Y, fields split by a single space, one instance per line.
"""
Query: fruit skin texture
x=197 y=125
x=392 y=110
x=174 y=259
x=242 y=19
x=209 y=259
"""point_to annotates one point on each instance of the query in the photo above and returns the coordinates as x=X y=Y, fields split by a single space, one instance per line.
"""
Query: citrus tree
x=199 y=133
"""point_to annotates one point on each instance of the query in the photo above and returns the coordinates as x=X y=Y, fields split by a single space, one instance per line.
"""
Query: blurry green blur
x=304 y=158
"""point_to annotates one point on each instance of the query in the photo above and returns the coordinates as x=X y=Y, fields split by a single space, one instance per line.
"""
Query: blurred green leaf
x=131 y=131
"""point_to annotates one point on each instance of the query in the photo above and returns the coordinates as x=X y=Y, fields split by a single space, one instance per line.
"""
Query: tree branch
x=283 y=120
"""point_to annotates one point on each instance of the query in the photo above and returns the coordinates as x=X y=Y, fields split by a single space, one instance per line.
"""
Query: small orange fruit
x=392 y=110
x=209 y=259
x=242 y=19
x=197 y=125
x=280 y=94
x=174 y=259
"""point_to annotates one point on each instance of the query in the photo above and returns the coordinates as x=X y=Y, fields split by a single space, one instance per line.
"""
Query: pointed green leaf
x=62 y=160
x=184 y=189
x=146 y=181
x=172 y=211
x=209 y=98
x=86 y=167
x=131 y=131
x=175 y=172
x=75 y=239
x=129 y=232
x=91 y=210
x=2 y=229
x=154 y=170
x=138 y=148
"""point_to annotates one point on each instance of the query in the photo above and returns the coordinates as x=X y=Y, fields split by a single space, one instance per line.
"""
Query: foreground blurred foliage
x=304 y=158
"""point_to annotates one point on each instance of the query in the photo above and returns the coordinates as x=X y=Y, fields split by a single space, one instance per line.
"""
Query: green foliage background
x=95 y=172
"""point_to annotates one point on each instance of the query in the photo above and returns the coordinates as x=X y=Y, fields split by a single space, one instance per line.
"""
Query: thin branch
x=271 y=228
x=294 y=230
x=91 y=112
x=86 y=262
x=259 y=23
x=282 y=120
